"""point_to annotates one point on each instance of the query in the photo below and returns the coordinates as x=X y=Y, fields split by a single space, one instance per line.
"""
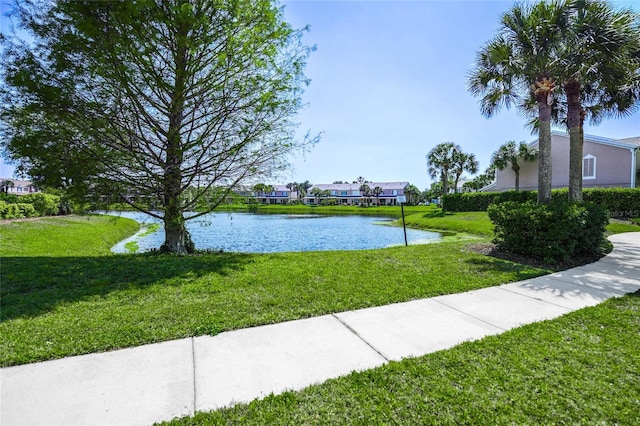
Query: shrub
x=552 y=232
x=45 y=204
x=16 y=210
x=9 y=198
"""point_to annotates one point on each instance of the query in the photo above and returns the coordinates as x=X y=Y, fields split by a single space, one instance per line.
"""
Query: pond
x=270 y=233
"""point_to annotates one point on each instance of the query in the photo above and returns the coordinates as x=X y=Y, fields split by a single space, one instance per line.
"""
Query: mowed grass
x=434 y=219
x=64 y=236
x=55 y=303
x=582 y=368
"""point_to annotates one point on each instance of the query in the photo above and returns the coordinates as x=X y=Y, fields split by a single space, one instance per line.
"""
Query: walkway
x=156 y=382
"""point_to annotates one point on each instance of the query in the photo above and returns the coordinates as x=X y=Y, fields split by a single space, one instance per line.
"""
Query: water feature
x=269 y=233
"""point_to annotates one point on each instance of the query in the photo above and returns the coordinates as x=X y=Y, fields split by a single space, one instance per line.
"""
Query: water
x=269 y=233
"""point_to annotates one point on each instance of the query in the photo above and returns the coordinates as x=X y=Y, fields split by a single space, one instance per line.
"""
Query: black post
x=404 y=226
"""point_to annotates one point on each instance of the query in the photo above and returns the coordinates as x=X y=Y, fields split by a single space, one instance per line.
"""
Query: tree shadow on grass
x=33 y=286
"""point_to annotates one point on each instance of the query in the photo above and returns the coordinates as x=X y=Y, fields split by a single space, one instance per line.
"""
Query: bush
x=45 y=204
x=16 y=210
x=9 y=198
x=552 y=232
x=621 y=202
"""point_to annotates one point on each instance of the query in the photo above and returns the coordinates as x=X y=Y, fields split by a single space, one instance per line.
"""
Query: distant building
x=17 y=187
x=279 y=195
x=349 y=193
x=606 y=163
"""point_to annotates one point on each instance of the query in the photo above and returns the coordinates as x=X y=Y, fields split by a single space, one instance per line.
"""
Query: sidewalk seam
x=193 y=370
x=348 y=327
x=467 y=313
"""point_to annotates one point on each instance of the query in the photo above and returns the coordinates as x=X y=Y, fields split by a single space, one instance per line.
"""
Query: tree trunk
x=516 y=170
x=576 y=139
x=544 y=152
x=445 y=181
x=176 y=236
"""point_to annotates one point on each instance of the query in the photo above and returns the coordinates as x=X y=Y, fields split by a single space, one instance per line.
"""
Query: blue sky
x=389 y=83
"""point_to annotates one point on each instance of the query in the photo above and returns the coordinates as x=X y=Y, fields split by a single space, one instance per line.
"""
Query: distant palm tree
x=510 y=154
x=303 y=189
x=6 y=185
x=463 y=162
x=376 y=193
x=441 y=162
x=317 y=194
x=413 y=194
x=521 y=63
x=365 y=191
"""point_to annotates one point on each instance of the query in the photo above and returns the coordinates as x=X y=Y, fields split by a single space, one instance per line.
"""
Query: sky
x=389 y=82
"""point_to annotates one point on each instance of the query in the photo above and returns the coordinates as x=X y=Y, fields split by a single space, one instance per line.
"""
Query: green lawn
x=56 y=303
x=468 y=222
x=582 y=368
x=63 y=236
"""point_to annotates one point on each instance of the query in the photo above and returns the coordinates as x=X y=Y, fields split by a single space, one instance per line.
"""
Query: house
x=606 y=162
x=349 y=193
x=17 y=187
x=279 y=194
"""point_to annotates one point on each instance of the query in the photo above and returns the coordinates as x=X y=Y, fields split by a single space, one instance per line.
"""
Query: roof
x=633 y=141
x=628 y=143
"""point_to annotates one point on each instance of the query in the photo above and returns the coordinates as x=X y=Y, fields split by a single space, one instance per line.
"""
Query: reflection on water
x=259 y=233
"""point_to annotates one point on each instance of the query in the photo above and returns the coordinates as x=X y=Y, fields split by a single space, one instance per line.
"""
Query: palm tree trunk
x=576 y=139
x=544 y=155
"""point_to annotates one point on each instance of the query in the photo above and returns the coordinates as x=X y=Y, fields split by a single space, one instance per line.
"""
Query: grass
x=63 y=236
x=468 y=222
x=615 y=227
x=66 y=300
x=581 y=368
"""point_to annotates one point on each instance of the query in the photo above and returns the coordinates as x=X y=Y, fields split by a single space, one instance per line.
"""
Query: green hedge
x=16 y=210
x=553 y=232
x=621 y=202
x=30 y=205
x=45 y=204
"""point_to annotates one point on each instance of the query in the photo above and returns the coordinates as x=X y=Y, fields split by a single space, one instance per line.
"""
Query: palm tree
x=463 y=162
x=317 y=193
x=510 y=154
x=600 y=72
x=6 y=185
x=376 y=193
x=441 y=162
x=303 y=189
x=365 y=191
x=413 y=194
x=520 y=63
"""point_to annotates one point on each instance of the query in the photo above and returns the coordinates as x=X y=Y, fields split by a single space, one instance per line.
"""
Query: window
x=589 y=167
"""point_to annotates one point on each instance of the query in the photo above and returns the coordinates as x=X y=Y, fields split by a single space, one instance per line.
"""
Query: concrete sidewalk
x=156 y=382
